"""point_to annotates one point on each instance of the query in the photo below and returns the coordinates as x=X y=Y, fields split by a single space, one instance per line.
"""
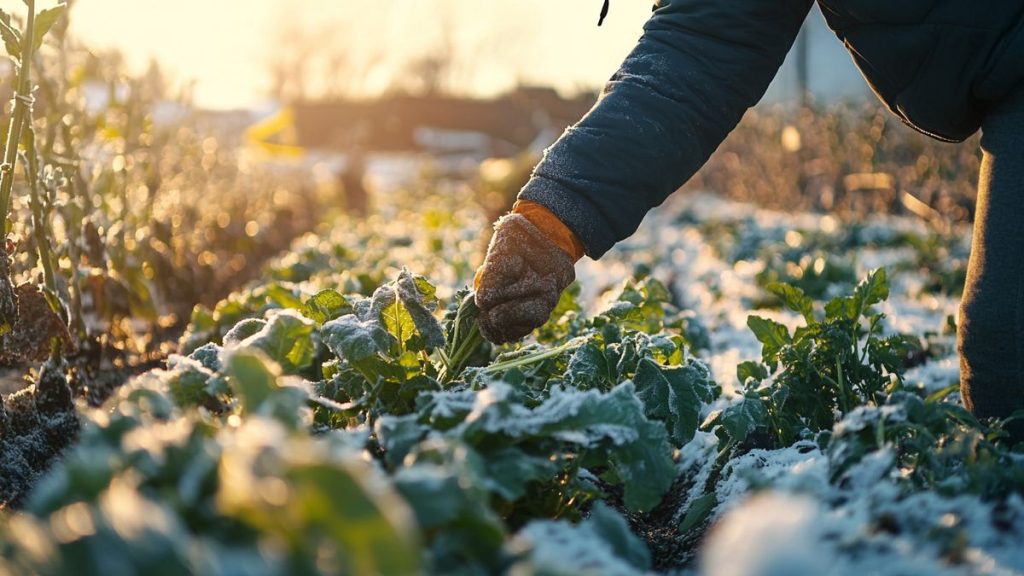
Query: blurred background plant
x=848 y=158
x=128 y=206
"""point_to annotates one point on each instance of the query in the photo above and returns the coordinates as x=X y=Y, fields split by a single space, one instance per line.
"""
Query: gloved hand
x=526 y=268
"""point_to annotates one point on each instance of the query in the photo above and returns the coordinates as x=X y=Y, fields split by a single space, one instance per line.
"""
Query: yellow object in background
x=276 y=135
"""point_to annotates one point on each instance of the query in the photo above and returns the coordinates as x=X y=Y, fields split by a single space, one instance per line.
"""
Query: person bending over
x=947 y=68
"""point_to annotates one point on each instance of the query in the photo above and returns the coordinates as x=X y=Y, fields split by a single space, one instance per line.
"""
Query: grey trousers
x=991 y=327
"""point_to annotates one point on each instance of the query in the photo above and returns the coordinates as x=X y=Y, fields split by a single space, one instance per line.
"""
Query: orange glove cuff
x=551 y=226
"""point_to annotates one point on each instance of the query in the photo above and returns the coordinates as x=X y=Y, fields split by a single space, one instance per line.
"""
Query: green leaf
x=841 y=307
x=614 y=530
x=326 y=501
x=44 y=21
x=284 y=297
x=188 y=383
x=743 y=417
x=11 y=36
x=941 y=393
x=243 y=330
x=674 y=395
x=698 y=512
x=772 y=335
x=442 y=482
x=568 y=301
x=399 y=323
x=611 y=428
x=793 y=298
x=873 y=289
x=750 y=369
x=405 y=307
x=588 y=368
x=354 y=512
x=355 y=340
x=397 y=435
x=418 y=297
x=287 y=338
x=326 y=305
x=256 y=382
x=601 y=544
x=253 y=379
x=870 y=291
x=510 y=470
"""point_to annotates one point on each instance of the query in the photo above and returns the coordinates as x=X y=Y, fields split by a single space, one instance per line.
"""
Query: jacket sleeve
x=697 y=68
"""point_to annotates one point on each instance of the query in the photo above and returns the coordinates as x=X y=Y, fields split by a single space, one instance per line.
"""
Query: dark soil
x=671 y=550
x=35 y=428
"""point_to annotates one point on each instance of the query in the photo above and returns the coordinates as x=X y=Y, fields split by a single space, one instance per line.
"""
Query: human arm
x=698 y=67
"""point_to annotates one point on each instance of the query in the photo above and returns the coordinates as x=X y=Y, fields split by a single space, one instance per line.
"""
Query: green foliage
x=326 y=305
x=822 y=370
x=286 y=337
x=601 y=544
x=44 y=21
x=463 y=339
x=11 y=36
x=675 y=395
x=260 y=441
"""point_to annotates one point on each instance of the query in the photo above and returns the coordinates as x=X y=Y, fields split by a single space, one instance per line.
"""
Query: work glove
x=529 y=263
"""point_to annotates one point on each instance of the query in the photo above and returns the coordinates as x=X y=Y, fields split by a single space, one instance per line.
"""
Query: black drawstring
x=604 y=13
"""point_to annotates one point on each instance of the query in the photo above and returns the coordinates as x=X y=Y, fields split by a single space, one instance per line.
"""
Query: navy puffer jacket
x=937 y=64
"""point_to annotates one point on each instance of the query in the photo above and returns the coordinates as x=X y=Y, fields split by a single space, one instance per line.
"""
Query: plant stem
x=844 y=400
x=22 y=103
x=78 y=189
x=22 y=106
x=531 y=359
x=40 y=226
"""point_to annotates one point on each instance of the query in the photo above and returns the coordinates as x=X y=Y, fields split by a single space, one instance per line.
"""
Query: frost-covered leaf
x=287 y=338
x=243 y=330
x=418 y=297
x=510 y=470
x=613 y=529
x=208 y=355
x=353 y=339
x=743 y=417
x=188 y=382
x=445 y=410
x=397 y=435
x=675 y=395
x=611 y=427
x=443 y=484
x=589 y=368
x=602 y=544
x=405 y=307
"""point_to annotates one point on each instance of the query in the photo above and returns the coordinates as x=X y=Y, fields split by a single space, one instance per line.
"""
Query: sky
x=226 y=46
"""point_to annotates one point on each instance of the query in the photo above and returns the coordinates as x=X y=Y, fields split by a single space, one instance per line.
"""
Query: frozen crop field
x=731 y=391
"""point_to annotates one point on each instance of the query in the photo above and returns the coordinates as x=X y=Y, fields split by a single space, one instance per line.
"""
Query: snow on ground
x=722 y=293
x=778 y=511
